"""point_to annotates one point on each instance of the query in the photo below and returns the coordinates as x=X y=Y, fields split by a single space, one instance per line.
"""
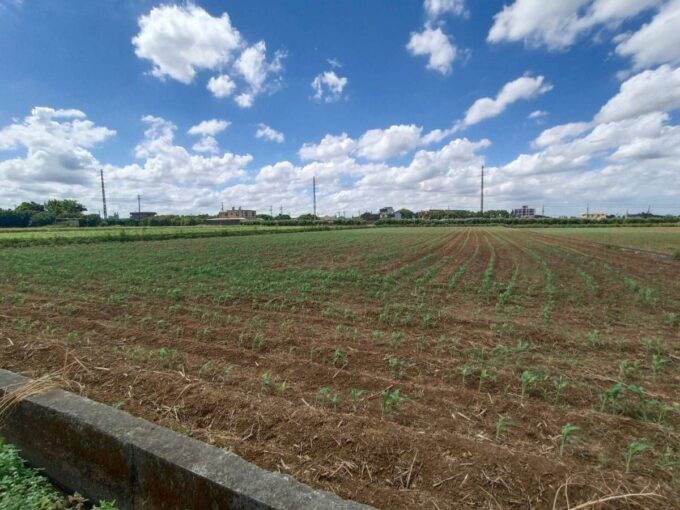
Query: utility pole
x=222 y=206
x=139 y=207
x=281 y=210
x=587 y=209
x=482 y=193
x=543 y=210
x=101 y=174
x=314 y=193
x=271 y=211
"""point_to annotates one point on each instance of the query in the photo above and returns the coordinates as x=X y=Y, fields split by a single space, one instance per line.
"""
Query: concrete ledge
x=104 y=453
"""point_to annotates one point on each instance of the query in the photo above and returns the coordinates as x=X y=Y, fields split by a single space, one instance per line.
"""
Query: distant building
x=388 y=213
x=524 y=212
x=369 y=217
x=245 y=214
x=232 y=216
x=597 y=216
x=138 y=216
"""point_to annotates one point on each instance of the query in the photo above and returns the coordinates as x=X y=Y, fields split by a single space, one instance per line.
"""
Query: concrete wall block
x=105 y=453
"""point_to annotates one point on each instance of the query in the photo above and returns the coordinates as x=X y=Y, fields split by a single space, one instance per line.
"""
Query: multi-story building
x=524 y=212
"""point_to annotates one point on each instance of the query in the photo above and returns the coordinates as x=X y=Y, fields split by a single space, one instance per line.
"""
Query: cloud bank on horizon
x=370 y=138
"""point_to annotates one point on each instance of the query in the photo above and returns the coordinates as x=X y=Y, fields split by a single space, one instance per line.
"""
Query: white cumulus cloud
x=648 y=91
x=435 y=8
x=557 y=24
x=658 y=41
x=382 y=144
x=182 y=39
x=209 y=127
x=221 y=86
x=328 y=86
x=267 y=133
x=436 y=45
x=526 y=87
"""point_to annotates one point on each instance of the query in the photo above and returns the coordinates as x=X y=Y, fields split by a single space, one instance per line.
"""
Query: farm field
x=46 y=236
x=659 y=239
x=400 y=367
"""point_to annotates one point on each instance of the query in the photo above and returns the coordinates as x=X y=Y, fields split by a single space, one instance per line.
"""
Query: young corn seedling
x=628 y=368
x=612 y=397
x=568 y=434
x=315 y=353
x=355 y=397
x=396 y=339
x=453 y=346
x=634 y=450
x=594 y=338
x=282 y=387
x=390 y=401
x=560 y=384
x=168 y=358
x=205 y=369
x=377 y=336
x=421 y=343
x=503 y=423
x=266 y=383
x=671 y=319
x=528 y=380
x=485 y=375
x=228 y=371
x=259 y=341
x=328 y=397
x=465 y=372
x=658 y=362
x=396 y=368
x=340 y=358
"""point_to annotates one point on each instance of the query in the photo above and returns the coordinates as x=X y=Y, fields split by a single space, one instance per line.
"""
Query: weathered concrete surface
x=104 y=453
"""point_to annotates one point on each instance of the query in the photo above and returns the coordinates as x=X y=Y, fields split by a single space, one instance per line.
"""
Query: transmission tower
x=314 y=193
x=101 y=174
x=481 y=196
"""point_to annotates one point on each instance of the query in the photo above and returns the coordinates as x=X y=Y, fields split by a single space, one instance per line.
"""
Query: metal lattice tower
x=101 y=174
x=314 y=193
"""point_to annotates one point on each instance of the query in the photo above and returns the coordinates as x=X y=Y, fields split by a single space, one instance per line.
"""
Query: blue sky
x=118 y=84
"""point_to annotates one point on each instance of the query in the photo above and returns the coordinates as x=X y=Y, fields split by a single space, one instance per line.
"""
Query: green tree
x=406 y=213
x=64 y=208
x=32 y=207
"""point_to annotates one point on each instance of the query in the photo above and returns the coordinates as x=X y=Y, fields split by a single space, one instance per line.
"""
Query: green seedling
x=205 y=369
x=390 y=401
x=503 y=423
x=168 y=358
x=396 y=368
x=560 y=384
x=396 y=339
x=315 y=353
x=228 y=371
x=266 y=383
x=634 y=450
x=421 y=343
x=465 y=372
x=594 y=338
x=568 y=434
x=658 y=362
x=485 y=375
x=340 y=358
x=325 y=396
x=355 y=397
x=528 y=380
